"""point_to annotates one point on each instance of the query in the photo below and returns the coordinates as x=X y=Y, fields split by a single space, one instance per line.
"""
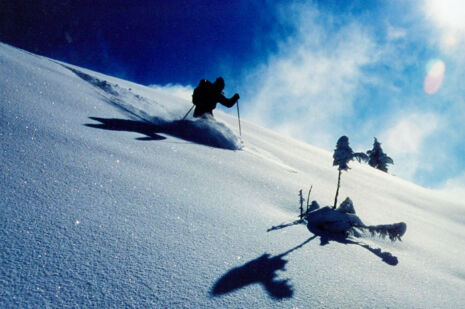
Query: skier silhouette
x=207 y=95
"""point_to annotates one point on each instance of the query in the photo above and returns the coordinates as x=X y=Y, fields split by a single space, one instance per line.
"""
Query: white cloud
x=310 y=84
x=408 y=134
x=180 y=91
x=455 y=186
x=407 y=142
x=395 y=33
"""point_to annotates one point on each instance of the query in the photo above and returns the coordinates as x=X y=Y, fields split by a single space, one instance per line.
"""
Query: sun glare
x=448 y=13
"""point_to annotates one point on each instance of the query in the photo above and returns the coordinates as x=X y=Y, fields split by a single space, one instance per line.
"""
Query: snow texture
x=109 y=200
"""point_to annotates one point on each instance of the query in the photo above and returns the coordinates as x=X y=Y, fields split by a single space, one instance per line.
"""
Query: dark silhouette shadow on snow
x=326 y=237
x=142 y=127
x=284 y=225
x=196 y=131
x=262 y=270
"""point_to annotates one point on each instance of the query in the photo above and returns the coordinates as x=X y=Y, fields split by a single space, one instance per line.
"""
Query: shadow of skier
x=262 y=270
x=142 y=127
x=198 y=131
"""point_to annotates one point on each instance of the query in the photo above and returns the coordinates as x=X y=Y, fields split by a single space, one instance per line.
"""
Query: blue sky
x=314 y=70
x=390 y=70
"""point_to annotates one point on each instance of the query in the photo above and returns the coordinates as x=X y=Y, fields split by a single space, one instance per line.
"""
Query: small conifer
x=343 y=154
x=377 y=158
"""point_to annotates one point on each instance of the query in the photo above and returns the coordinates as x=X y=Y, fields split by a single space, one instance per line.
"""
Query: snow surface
x=107 y=199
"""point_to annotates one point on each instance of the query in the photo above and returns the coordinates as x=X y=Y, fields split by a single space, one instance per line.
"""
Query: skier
x=207 y=95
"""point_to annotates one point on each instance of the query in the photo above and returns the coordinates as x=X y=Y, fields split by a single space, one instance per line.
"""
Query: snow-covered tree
x=343 y=154
x=377 y=158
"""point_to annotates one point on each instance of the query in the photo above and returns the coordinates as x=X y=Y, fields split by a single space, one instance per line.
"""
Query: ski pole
x=188 y=112
x=239 y=118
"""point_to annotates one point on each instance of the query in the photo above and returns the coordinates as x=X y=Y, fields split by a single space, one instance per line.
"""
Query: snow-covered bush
x=343 y=220
x=347 y=207
x=313 y=206
x=393 y=231
x=333 y=221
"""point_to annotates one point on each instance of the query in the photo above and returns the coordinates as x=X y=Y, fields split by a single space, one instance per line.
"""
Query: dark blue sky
x=144 y=41
x=157 y=41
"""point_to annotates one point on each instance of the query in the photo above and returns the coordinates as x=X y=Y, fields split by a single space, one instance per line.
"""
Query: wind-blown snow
x=109 y=199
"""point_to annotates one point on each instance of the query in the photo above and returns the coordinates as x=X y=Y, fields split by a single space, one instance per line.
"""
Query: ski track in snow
x=261 y=153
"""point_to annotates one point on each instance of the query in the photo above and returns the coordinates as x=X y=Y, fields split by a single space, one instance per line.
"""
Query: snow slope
x=108 y=200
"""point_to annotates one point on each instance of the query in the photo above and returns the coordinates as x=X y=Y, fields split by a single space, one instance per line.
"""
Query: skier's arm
x=228 y=102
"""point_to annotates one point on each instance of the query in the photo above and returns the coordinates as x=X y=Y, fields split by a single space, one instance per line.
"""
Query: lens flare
x=436 y=70
x=449 y=40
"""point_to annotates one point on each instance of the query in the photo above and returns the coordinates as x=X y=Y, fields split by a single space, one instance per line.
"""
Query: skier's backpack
x=199 y=93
